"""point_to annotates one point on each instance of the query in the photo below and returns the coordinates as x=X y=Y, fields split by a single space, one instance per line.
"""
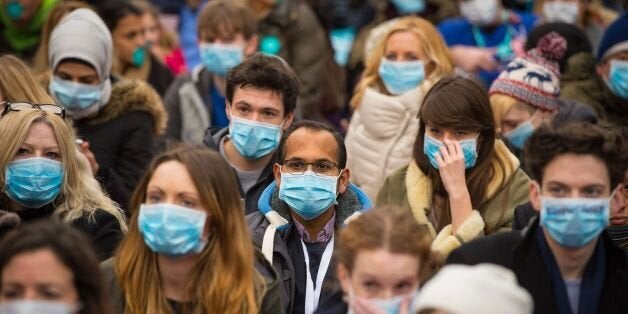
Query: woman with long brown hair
x=462 y=182
x=188 y=249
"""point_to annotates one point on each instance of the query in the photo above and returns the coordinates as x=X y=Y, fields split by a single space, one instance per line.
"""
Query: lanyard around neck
x=313 y=294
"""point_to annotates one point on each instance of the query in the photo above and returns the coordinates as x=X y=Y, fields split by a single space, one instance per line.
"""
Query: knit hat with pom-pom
x=534 y=79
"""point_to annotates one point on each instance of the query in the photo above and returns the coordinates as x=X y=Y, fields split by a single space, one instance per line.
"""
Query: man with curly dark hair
x=564 y=257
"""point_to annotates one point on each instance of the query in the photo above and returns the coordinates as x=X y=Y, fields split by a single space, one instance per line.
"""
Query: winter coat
x=189 y=106
x=519 y=251
x=410 y=188
x=103 y=229
x=292 y=31
x=581 y=82
x=123 y=135
x=271 y=303
x=159 y=77
x=249 y=198
x=271 y=227
x=381 y=136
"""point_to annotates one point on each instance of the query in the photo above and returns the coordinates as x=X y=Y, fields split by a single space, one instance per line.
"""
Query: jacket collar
x=419 y=186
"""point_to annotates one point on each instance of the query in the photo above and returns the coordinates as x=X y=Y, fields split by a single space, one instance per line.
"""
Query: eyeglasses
x=19 y=106
x=321 y=167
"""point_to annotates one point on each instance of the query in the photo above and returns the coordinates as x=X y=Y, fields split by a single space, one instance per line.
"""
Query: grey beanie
x=84 y=36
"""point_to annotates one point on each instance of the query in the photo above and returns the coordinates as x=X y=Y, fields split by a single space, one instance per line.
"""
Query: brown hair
x=72 y=249
x=580 y=138
x=220 y=18
x=40 y=61
x=17 y=82
x=224 y=279
x=391 y=228
x=459 y=103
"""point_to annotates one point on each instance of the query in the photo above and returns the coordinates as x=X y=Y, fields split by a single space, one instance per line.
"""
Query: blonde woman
x=18 y=84
x=399 y=72
x=43 y=175
x=188 y=250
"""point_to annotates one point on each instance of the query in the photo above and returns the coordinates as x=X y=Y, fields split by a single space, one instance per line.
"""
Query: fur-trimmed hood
x=127 y=96
x=420 y=189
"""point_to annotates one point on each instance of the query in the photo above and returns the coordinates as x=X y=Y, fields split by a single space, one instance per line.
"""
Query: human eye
x=324 y=166
x=11 y=293
x=435 y=131
x=296 y=165
x=592 y=192
x=22 y=152
x=188 y=203
x=557 y=191
x=153 y=198
x=269 y=114
x=52 y=155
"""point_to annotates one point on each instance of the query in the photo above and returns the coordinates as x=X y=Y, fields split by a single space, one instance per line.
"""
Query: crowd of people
x=313 y=156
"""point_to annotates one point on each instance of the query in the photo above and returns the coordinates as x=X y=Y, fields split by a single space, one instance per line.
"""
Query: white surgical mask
x=561 y=11
x=38 y=307
x=479 y=12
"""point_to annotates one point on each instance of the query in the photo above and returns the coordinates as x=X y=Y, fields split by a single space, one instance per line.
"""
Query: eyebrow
x=55 y=147
x=592 y=185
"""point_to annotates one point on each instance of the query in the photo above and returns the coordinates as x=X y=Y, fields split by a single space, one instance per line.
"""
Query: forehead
x=402 y=40
x=385 y=265
x=311 y=145
x=258 y=98
x=129 y=22
x=41 y=131
x=577 y=171
x=38 y=265
x=172 y=176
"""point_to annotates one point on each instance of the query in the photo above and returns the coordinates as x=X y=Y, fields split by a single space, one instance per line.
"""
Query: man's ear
x=535 y=195
x=287 y=121
x=277 y=174
x=344 y=278
x=251 y=45
x=602 y=69
x=618 y=203
x=343 y=181
x=228 y=110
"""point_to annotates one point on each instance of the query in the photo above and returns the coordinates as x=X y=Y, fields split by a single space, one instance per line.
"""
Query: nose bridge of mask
x=166 y=212
x=37 y=165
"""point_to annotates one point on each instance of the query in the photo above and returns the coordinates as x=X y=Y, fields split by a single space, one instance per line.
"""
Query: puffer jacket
x=580 y=82
x=381 y=136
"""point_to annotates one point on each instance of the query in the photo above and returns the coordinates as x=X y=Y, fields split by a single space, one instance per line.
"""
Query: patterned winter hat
x=534 y=79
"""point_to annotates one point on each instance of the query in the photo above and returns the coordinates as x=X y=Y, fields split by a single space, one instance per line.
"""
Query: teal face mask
x=254 y=139
x=308 y=194
x=139 y=56
x=409 y=6
x=401 y=76
x=220 y=58
x=33 y=182
x=15 y=9
x=574 y=222
x=618 y=78
x=431 y=147
x=519 y=135
x=172 y=230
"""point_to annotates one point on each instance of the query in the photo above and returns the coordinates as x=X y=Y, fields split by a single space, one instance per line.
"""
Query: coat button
x=286 y=274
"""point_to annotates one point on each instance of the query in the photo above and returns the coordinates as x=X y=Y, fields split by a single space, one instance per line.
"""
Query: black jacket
x=103 y=230
x=518 y=251
x=523 y=215
x=266 y=177
x=333 y=304
x=122 y=136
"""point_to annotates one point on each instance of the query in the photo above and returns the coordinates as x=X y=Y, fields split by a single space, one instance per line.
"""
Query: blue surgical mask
x=387 y=306
x=431 y=147
x=78 y=99
x=33 y=182
x=15 y=10
x=401 y=76
x=220 y=58
x=342 y=41
x=574 y=222
x=37 y=307
x=519 y=135
x=172 y=230
x=139 y=56
x=409 y=6
x=253 y=139
x=308 y=194
x=618 y=78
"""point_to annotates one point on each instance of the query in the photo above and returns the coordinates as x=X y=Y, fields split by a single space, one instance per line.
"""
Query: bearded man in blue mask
x=261 y=96
x=196 y=101
x=564 y=257
x=300 y=212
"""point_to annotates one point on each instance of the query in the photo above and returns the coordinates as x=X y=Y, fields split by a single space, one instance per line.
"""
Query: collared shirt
x=323 y=236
